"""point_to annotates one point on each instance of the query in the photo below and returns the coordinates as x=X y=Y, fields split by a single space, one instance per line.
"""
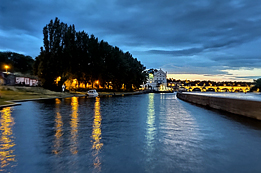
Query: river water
x=139 y=133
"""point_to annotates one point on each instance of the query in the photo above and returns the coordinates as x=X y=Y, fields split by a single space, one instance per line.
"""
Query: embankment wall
x=246 y=108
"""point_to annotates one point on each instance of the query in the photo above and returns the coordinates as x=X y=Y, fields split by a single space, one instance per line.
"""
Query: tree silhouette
x=76 y=55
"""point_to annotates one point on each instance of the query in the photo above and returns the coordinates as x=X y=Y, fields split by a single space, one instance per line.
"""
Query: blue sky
x=217 y=39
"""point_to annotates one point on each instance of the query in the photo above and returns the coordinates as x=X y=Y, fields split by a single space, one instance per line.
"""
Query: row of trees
x=76 y=55
x=16 y=62
x=257 y=85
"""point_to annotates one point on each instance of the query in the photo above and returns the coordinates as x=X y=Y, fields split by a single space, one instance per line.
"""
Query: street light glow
x=6 y=67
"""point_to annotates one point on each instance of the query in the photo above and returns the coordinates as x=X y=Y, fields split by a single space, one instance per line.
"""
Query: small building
x=175 y=85
x=160 y=77
x=26 y=81
x=156 y=80
x=2 y=79
x=7 y=78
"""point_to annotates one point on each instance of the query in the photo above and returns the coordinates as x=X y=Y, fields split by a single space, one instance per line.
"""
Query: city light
x=6 y=67
x=57 y=80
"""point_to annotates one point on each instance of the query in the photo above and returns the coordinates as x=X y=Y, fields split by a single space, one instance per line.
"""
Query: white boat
x=92 y=93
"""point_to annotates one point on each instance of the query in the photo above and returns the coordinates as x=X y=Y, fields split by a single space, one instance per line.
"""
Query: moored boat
x=92 y=93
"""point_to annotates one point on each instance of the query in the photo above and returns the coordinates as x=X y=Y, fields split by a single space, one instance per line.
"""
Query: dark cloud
x=249 y=77
x=183 y=52
x=212 y=35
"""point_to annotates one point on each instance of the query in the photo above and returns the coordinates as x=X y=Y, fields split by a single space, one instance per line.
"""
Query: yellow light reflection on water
x=6 y=139
x=58 y=127
x=150 y=122
x=74 y=125
x=96 y=134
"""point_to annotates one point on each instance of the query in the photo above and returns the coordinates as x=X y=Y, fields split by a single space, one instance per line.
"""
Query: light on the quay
x=57 y=80
x=6 y=67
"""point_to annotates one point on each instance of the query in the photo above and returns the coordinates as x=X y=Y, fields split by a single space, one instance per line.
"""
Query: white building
x=157 y=80
x=160 y=77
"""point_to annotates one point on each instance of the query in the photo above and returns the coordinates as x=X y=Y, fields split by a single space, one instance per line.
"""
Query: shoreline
x=12 y=95
x=245 y=108
x=13 y=102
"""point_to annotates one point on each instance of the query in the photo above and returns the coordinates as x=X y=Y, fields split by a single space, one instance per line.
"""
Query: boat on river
x=92 y=93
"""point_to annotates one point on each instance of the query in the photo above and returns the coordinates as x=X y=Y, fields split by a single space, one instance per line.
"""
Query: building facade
x=157 y=80
x=160 y=77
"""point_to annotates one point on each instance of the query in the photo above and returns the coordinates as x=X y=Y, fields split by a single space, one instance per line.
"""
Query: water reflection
x=244 y=96
x=142 y=133
x=6 y=141
x=96 y=134
x=74 y=125
x=58 y=128
x=150 y=134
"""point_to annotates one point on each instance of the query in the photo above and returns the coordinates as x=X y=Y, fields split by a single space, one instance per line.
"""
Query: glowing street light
x=97 y=82
x=6 y=67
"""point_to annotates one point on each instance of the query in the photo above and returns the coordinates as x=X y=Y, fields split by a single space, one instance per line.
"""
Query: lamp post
x=6 y=67
x=97 y=82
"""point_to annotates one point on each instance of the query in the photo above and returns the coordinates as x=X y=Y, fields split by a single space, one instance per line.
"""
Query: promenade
x=247 y=108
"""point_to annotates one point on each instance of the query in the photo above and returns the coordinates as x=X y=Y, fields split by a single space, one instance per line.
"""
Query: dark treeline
x=16 y=62
x=257 y=84
x=76 y=55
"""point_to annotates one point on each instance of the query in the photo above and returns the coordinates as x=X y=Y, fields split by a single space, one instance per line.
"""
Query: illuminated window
x=151 y=76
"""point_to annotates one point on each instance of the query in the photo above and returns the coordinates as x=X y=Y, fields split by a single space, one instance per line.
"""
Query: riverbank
x=247 y=108
x=10 y=95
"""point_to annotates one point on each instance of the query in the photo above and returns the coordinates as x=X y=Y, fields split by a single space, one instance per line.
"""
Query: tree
x=16 y=62
x=258 y=84
x=70 y=54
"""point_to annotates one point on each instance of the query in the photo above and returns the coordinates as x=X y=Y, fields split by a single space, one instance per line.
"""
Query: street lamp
x=6 y=67
x=97 y=82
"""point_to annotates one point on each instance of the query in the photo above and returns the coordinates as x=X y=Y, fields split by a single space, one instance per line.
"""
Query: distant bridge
x=218 y=88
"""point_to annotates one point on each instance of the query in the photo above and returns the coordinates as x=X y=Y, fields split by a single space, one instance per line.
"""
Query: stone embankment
x=248 y=108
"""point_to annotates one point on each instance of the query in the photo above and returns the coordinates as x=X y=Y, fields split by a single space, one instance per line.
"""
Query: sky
x=195 y=40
